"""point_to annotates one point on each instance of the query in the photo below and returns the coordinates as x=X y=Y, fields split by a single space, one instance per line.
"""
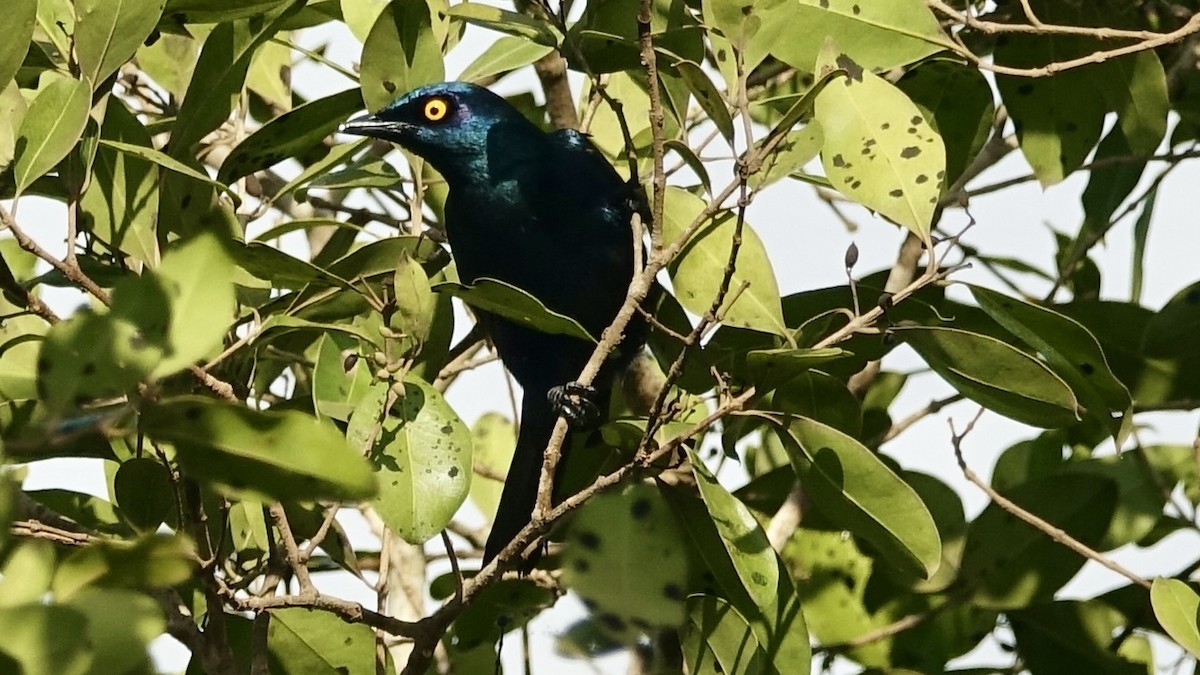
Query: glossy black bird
x=544 y=212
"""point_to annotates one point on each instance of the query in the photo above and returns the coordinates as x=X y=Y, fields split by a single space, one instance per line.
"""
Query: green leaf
x=360 y=15
x=400 y=54
x=1058 y=119
x=876 y=35
x=499 y=608
x=270 y=264
x=12 y=113
x=834 y=574
x=340 y=377
x=1176 y=606
x=289 y=135
x=167 y=162
x=1072 y=636
x=1170 y=331
x=414 y=301
x=108 y=32
x=856 y=490
x=1009 y=564
x=120 y=626
x=143 y=490
x=1068 y=347
x=423 y=462
x=1139 y=504
x=364 y=172
x=20 y=19
x=304 y=641
x=51 y=128
x=169 y=61
x=744 y=539
x=1107 y=189
x=220 y=73
x=753 y=298
x=508 y=301
x=774 y=614
x=821 y=397
x=957 y=101
x=718 y=639
x=494 y=438
x=44 y=639
x=604 y=561
x=708 y=97
x=195 y=282
x=150 y=561
x=793 y=152
x=217 y=11
x=606 y=36
x=995 y=375
x=28 y=572
x=770 y=368
x=753 y=27
x=285 y=455
x=120 y=204
x=1135 y=87
x=514 y=24
x=90 y=356
x=879 y=149
x=284 y=323
x=504 y=55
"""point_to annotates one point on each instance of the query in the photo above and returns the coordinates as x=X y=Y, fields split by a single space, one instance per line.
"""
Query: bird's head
x=456 y=126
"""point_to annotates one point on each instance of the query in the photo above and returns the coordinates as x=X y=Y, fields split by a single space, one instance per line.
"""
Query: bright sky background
x=806 y=243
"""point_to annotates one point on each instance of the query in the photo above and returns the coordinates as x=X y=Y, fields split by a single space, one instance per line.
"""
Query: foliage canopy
x=269 y=323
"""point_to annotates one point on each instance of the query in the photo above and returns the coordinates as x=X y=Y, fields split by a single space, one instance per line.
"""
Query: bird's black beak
x=370 y=125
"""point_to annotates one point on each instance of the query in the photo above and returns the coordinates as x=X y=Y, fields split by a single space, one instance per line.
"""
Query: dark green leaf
x=1068 y=347
x=290 y=135
x=514 y=304
x=143 y=490
x=1071 y=636
x=957 y=101
x=220 y=72
x=1170 y=331
x=995 y=375
x=1058 y=119
x=1009 y=564
x=850 y=484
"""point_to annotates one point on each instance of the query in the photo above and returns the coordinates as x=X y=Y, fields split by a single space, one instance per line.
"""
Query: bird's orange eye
x=436 y=109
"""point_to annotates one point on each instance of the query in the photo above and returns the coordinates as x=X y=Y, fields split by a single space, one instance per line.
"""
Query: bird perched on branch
x=546 y=213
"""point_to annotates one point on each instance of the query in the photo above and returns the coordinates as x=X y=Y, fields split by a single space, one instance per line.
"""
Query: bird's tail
x=521 y=485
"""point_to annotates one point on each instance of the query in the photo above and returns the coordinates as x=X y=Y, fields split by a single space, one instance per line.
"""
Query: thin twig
x=1055 y=533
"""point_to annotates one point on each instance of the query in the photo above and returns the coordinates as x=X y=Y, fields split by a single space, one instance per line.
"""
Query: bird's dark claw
x=576 y=402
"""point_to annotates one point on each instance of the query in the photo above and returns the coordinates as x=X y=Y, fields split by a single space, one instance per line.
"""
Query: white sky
x=806 y=243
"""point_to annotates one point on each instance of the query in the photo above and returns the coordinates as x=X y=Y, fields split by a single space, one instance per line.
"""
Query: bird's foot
x=576 y=402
